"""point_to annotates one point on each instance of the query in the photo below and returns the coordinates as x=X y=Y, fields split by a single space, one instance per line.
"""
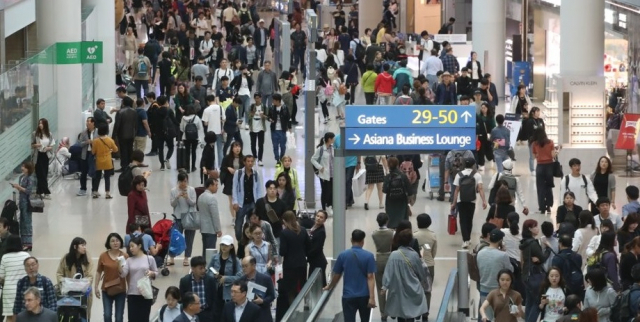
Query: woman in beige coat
x=76 y=261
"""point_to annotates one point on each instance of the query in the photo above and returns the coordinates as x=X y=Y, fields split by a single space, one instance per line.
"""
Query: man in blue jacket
x=446 y=91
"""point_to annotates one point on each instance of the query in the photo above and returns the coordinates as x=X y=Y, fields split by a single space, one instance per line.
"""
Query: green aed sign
x=83 y=52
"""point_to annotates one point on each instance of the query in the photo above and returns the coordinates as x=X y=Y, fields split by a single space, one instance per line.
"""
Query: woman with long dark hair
x=604 y=182
x=628 y=231
x=182 y=99
x=475 y=69
x=25 y=187
x=501 y=208
x=230 y=164
x=228 y=268
x=608 y=257
x=42 y=143
x=404 y=224
x=628 y=259
x=511 y=245
x=485 y=122
x=114 y=289
x=322 y=160
x=544 y=152
x=532 y=267
x=396 y=186
x=76 y=261
x=530 y=127
x=317 y=236
x=520 y=102
x=285 y=190
x=294 y=246
x=135 y=268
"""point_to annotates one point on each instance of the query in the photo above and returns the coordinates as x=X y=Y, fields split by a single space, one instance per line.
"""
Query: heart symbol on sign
x=91 y=50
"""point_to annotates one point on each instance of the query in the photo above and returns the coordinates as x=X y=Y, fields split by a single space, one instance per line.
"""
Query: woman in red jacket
x=137 y=204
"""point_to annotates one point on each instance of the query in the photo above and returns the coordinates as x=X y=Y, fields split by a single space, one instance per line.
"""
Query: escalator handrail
x=303 y=294
x=451 y=283
x=324 y=299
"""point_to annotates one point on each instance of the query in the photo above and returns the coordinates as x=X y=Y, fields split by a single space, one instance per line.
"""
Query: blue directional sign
x=410 y=127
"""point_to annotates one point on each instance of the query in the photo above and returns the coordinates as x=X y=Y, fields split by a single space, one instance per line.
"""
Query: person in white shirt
x=432 y=65
x=212 y=118
x=257 y=125
x=579 y=184
x=221 y=72
x=467 y=208
x=201 y=25
x=205 y=46
x=507 y=174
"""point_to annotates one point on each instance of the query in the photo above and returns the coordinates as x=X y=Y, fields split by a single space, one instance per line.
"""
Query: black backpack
x=396 y=186
x=457 y=165
x=360 y=50
x=9 y=212
x=566 y=184
x=125 y=180
x=371 y=163
x=467 y=185
x=573 y=276
x=191 y=130
x=169 y=128
x=621 y=309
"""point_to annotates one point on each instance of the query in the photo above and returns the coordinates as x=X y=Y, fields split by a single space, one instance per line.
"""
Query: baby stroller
x=173 y=243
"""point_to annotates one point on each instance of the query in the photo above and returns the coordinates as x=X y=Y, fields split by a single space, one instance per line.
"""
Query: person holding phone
x=505 y=302
x=25 y=187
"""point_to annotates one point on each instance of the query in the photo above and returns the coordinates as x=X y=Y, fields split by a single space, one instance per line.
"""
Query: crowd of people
x=214 y=84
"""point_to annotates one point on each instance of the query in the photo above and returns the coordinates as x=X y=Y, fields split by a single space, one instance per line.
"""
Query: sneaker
x=533 y=173
x=465 y=244
x=325 y=121
x=81 y=193
x=151 y=154
x=167 y=164
x=47 y=197
x=162 y=168
x=330 y=211
x=246 y=127
x=260 y=163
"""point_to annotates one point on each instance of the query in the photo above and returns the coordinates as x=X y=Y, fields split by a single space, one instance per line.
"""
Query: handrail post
x=463 y=282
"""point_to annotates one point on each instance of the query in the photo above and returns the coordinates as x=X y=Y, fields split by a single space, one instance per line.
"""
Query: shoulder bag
x=495 y=220
x=557 y=168
x=114 y=287
x=426 y=283
x=190 y=220
x=271 y=214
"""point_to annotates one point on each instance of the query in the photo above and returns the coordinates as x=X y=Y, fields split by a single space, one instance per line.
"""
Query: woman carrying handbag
x=114 y=288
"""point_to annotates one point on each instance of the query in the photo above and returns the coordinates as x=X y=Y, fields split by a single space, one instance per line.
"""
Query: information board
x=410 y=127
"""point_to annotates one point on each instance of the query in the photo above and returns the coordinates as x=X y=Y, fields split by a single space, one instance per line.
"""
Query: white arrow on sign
x=355 y=138
x=466 y=116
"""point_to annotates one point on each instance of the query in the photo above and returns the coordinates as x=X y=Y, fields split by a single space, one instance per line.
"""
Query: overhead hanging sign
x=410 y=127
x=81 y=52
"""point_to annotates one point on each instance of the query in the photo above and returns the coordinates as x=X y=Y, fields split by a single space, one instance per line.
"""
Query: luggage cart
x=72 y=306
x=433 y=174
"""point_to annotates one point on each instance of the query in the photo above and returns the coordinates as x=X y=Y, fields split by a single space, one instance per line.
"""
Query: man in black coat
x=263 y=300
x=239 y=304
x=124 y=130
x=190 y=308
x=203 y=285
x=260 y=39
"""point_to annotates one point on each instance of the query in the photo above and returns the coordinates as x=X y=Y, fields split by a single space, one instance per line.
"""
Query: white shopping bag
x=291 y=141
x=358 y=183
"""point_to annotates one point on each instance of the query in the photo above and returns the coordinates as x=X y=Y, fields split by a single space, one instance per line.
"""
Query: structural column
x=60 y=21
x=489 y=20
x=582 y=38
x=105 y=14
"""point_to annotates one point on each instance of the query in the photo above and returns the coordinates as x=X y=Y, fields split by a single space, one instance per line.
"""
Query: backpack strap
x=161 y=314
x=566 y=183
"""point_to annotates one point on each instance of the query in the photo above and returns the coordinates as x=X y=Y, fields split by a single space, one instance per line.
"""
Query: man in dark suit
x=240 y=305
x=124 y=130
x=253 y=276
x=232 y=122
x=203 y=285
x=190 y=309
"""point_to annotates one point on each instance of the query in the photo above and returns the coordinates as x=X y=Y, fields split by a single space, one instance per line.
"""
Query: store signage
x=82 y=52
x=513 y=123
x=628 y=132
x=451 y=38
x=399 y=127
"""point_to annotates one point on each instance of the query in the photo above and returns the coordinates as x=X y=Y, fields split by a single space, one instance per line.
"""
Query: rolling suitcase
x=182 y=158
x=452 y=223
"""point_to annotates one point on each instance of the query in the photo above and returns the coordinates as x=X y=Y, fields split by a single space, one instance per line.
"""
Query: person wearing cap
x=446 y=91
x=231 y=272
x=477 y=99
x=260 y=39
x=604 y=206
x=467 y=208
x=491 y=260
x=507 y=175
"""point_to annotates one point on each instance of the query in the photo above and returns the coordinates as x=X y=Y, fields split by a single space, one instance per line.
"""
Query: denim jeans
x=531 y=158
x=244 y=108
x=357 y=304
x=107 y=303
x=498 y=157
x=350 y=172
x=260 y=50
x=241 y=216
x=140 y=86
x=87 y=168
x=257 y=144
x=531 y=309
x=279 y=141
x=489 y=310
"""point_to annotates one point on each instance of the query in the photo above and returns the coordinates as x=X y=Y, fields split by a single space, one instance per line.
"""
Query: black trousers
x=230 y=137
x=125 y=147
x=486 y=151
x=369 y=98
x=139 y=308
x=325 y=110
x=257 y=137
x=294 y=111
x=191 y=146
x=326 y=196
x=165 y=87
x=544 y=186
x=161 y=141
x=465 y=215
x=42 y=171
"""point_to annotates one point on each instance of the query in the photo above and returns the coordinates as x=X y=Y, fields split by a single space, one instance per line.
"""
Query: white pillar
x=60 y=21
x=489 y=19
x=106 y=72
x=582 y=38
